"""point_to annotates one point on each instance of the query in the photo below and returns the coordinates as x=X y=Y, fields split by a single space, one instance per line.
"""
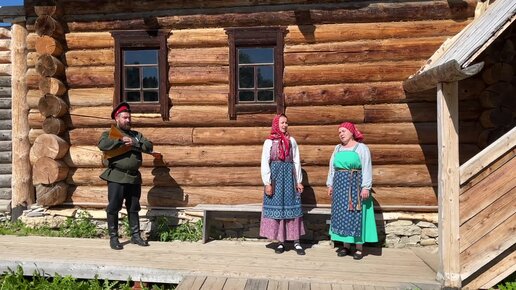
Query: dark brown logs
x=350 y=73
x=383 y=175
x=46 y=25
x=50 y=195
x=48 y=45
x=52 y=86
x=498 y=72
x=49 y=145
x=353 y=94
x=496 y=117
x=47 y=171
x=53 y=125
x=495 y=94
x=50 y=105
x=48 y=66
x=388 y=197
x=45 y=10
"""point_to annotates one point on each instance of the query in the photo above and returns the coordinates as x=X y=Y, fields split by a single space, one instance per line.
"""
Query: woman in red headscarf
x=349 y=186
x=282 y=215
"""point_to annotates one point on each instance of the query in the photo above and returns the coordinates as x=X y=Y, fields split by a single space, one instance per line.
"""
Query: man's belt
x=128 y=171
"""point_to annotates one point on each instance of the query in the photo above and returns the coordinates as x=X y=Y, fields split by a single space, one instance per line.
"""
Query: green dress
x=364 y=230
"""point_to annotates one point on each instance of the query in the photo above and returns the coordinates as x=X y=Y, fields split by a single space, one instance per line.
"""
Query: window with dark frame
x=141 y=77
x=256 y=70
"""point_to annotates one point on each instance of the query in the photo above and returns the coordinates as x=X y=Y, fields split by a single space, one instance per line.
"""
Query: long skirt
x=282 y=215
x=352 y=218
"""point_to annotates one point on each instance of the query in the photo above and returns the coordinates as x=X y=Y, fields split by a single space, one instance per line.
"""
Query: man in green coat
x=123 y=149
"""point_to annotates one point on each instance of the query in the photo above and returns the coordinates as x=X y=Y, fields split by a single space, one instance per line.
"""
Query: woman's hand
x=268 y=190
x=330 y=191
x=364 y=193
x=300 y=188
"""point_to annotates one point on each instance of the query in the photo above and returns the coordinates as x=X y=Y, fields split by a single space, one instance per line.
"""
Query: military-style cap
x=122 y=107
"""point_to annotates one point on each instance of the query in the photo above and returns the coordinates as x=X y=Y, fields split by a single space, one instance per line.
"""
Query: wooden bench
x=209 y=209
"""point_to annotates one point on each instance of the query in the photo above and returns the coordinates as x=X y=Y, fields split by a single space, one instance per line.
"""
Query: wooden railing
x=487 y=205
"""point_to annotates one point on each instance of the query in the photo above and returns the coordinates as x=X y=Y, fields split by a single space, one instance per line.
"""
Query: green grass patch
x=190 y=232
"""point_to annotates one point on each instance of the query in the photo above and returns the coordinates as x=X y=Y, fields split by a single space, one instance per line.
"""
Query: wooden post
x=22 y=189
x=448 y=182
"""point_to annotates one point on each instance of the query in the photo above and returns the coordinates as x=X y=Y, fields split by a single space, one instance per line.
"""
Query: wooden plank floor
x=233 y=264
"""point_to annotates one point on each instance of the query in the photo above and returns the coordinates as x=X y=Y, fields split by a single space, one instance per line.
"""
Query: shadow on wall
x=166 y=192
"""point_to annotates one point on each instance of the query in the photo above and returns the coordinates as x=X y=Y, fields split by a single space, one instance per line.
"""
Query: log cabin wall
x=5 y=118
x=343 y=62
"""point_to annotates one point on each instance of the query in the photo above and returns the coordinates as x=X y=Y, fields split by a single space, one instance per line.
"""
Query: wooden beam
x=487 y=156
x=450 y=71
x=22 y=190
x=448 y=184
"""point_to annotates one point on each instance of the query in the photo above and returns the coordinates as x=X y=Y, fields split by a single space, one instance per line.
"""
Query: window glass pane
x=141 y=56
x=255 y=55
x=265 y=76
x=246 y=96
x=150 y=96
x=150 y=77
x=132 y=78
x=265 y=96
x=132 y=96
x=246 y=77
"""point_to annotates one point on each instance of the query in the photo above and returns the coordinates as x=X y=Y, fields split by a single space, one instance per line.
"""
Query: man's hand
x=128 y=141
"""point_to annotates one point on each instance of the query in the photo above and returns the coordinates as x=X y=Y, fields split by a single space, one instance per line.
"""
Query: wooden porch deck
x=220 y=261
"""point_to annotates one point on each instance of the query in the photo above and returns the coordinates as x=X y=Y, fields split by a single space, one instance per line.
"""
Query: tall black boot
x=134 y=224
x=112 y=221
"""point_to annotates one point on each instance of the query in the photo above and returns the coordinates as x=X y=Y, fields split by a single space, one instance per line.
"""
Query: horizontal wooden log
x=5 y=103
x=45 y=10
x=383 y=175
x=33 y=97
x=5 y=146
x=5 y=56
x=91 y=97
x=89 y=40
x=46 y=25
x=416 y=112
x=5 y=180
x=5 y=44
x=353 y=94
x=49 y=66
x=199 y=95
x=48 y=171
x=5 y=114
x=5 y=135
x=494 y=95
x=212 y=56
x=158 y=135
x=6 y=168
x=303 y=34
x=249 y=155
x=32 y=58
x=48 y=45
x=6 y=157
x=5 y=33
x=97 y=57
x=5 y=194
x=5 y=92
x=264 y=14
x=470 y=88
x=34 y=133
x=5 y=81
x=199 y=75
x=5 y=125
x=381 y=133
x=5 y=69
x=82 y=77
x=350 y=73
x=56 y=126
x=191 y=196
x=362 y=51
x=50 y=105
x=52 y=86
x=49 y=145
x=51 y=195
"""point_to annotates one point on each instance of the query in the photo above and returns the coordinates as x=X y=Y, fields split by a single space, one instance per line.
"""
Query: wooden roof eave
x=449 y=71
x=452 y=61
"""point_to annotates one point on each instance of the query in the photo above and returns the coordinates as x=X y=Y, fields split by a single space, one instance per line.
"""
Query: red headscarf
x=357 y=135
x=284 y=138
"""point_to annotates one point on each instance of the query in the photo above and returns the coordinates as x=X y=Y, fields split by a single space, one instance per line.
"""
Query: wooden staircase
x=487 y=203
